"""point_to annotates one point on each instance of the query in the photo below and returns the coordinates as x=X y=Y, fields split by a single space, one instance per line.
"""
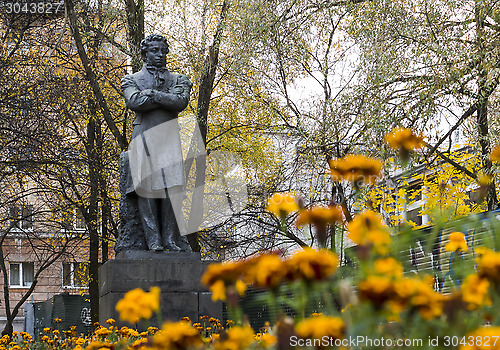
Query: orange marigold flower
x=98 y=345
x=404 y=139
x=281 y=204
x=311 y=265
x=237 y=338
x=266 y=270
x=377 y=289
x=221 y=276
x=102 y=332
x=321 y=326
x=456 y=242
x=267 y=340
x=389 y=267
x=420 y=294
x=355 y=168
x=495 y=154
x=178 y=335
x=488 y=263
x=57 y=320
x=320 y=216
x=228 y=272
x=367 y=229
x=475 y=291
x=137 y=304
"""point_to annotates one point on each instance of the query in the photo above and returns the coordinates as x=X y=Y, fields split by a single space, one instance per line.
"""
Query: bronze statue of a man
x=155 y=156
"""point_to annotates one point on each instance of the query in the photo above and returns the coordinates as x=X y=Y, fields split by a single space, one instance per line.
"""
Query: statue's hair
x=148 y=40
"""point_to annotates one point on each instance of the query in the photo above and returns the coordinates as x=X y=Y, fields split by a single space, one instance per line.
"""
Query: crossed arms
x=138 y=100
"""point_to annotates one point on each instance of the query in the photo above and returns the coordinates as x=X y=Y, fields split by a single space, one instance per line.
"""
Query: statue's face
x=156 y=54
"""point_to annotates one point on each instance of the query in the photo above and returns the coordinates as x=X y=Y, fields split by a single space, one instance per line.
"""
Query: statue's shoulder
x=132 y=76
x=131 y=79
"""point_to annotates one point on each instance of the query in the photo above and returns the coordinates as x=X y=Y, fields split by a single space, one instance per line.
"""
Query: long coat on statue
x=155 y=152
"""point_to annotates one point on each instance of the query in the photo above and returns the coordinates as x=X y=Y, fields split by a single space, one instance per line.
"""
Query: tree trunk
x=482 y=106
x=135 y=31
x=92 y=217
x=204 y=95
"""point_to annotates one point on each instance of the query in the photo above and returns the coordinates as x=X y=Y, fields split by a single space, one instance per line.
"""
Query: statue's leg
x=148 y=210
x=176 y=195
x=169 y=227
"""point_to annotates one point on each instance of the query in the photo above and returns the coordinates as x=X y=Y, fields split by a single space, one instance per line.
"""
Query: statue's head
x=154 y=49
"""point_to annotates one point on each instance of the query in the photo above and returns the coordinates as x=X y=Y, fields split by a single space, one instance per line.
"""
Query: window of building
x=21 y=274
x=73 y=220
x=21 y=216
x=414 y=216
x=415 y=192
x=75 y=274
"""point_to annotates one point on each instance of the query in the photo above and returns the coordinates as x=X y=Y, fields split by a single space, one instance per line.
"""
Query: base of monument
x=177 y=274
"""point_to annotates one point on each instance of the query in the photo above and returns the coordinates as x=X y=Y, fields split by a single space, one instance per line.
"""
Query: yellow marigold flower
x=316 y=314
x=480 y=336
x=237 y=338
x=137 y=304
x=311 y=265
x=80 y=341
x=178 y=335
x=221 y=276
x=420 y=294
x=322 y=326
x=320 y=216
x=456 y=242
x=475 y=291
x=218 y=290
x=98 y=345
x=488 y=263
x=102 y=332
x=355 y=168
x=495 y=154
x=377 y=289
x=57 y=320
x=367 y=229
x=152 y=330
x=266 y=271
x=214 y=337
x=110 y=321
x=281 y=204
x=47 y=330
x=228 y=272
x=241 y=287
x=186 y=319
x=389 y=267
x=140 y=343
x=404 y=139
x=55 y=332
x=267 y=340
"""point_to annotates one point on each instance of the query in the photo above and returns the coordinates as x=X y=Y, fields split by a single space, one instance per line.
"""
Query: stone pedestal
x=177 y=274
